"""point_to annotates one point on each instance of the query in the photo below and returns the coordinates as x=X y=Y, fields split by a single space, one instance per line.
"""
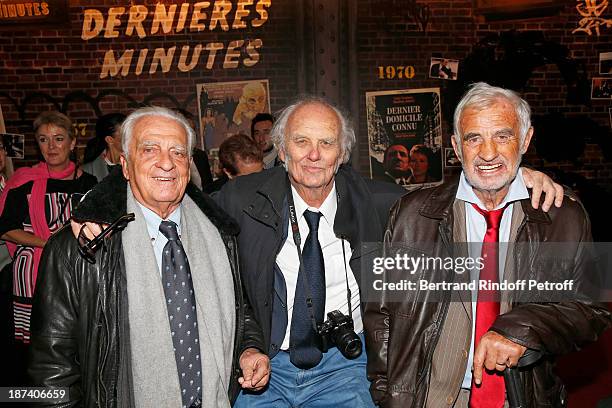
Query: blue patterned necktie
x=303 y=340
x=180 y=301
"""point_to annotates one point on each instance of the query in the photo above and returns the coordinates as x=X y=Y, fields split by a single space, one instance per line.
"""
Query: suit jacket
x=97 y=167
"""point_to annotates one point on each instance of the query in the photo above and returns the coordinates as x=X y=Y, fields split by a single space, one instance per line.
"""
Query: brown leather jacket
x=401 y=336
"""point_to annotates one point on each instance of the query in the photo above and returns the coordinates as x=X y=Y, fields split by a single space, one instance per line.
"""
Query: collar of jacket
x=270 y=196
x=440 y=204
x=353 y=198
x=107 y=201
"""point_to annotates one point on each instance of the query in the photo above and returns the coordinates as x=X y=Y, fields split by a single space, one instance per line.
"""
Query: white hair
x=481 y=96
x=127 y=127
x=346 y=136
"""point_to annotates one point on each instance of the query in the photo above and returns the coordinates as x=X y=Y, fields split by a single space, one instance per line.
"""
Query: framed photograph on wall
x=601 y=88
x=14 y=145
x=405 y=136
x=444 y=68
x=226 y=109
x=450 y=158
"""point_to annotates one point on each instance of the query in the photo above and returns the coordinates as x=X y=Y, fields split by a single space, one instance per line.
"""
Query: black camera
x=339 y=331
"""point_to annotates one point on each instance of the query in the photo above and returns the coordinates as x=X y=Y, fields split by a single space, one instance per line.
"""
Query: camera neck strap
x=297 y=239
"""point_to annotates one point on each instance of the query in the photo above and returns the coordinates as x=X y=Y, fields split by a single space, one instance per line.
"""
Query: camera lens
x=348 y=343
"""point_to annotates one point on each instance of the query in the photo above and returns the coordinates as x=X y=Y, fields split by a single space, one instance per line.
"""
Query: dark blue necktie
x=303 y=340
x=180 y=301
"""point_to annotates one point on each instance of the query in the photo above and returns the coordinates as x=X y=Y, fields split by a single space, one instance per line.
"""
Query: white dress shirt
x=476 y=228
x=335 y=280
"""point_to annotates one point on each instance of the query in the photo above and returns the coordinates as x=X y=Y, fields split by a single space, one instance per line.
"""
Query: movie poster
x=227 y=108
x=405 y=136
x=14 y=145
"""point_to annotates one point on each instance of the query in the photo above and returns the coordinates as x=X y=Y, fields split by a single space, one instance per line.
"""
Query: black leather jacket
x=80 y=336
x=401 y=336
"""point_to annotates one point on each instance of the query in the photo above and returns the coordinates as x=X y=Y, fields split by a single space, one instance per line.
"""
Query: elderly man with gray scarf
x=156 y=317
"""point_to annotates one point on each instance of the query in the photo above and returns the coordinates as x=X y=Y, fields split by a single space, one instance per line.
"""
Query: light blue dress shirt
x=158 y=240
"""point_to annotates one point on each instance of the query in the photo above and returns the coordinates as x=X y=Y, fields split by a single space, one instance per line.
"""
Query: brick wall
x=55 y=61
x=388 y=37
x=46 y=66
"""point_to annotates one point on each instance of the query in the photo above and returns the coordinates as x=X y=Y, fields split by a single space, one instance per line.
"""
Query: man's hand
x=495 y=352
x=90 y=229
x=540 y=182
x=255 y=368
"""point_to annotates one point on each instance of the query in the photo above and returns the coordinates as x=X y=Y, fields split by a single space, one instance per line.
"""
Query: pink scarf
x=39 y=174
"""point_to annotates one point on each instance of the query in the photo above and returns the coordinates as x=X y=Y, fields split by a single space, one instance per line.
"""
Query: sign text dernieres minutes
x=185 y=18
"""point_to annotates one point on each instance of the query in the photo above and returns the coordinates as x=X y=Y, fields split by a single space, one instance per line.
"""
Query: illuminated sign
x=15 y=11
x=166 y=19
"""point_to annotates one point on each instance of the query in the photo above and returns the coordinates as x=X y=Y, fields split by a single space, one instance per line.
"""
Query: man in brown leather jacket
x=424 y=346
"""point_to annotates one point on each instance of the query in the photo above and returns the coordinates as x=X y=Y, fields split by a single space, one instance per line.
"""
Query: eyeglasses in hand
x=89 y=247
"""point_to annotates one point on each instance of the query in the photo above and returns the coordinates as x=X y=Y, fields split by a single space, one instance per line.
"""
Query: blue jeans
x=335 y=382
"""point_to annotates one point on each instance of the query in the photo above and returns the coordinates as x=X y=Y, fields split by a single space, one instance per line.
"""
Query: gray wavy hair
x=127 y=127
x=346 y=136
x=481 y=96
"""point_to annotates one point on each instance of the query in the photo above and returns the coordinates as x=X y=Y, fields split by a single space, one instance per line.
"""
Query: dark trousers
x=13 y=353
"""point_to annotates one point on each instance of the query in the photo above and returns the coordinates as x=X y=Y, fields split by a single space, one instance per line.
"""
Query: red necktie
x=491 y=392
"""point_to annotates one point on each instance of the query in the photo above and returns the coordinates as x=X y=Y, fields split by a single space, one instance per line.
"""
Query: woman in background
x=6 y=171
x=35 y=203
x=420 y=161
x=6 y=278
x=103 y=151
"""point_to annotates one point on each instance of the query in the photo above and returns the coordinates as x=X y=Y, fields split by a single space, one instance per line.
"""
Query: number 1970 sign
x=399 y=72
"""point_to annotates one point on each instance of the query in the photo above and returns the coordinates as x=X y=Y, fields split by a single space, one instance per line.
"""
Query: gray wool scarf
x=154 y=372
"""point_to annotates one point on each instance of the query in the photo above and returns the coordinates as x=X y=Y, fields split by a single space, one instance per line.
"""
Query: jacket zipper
x=239 y=307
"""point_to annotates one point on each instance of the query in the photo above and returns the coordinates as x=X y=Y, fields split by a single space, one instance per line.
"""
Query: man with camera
x=301 y=228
